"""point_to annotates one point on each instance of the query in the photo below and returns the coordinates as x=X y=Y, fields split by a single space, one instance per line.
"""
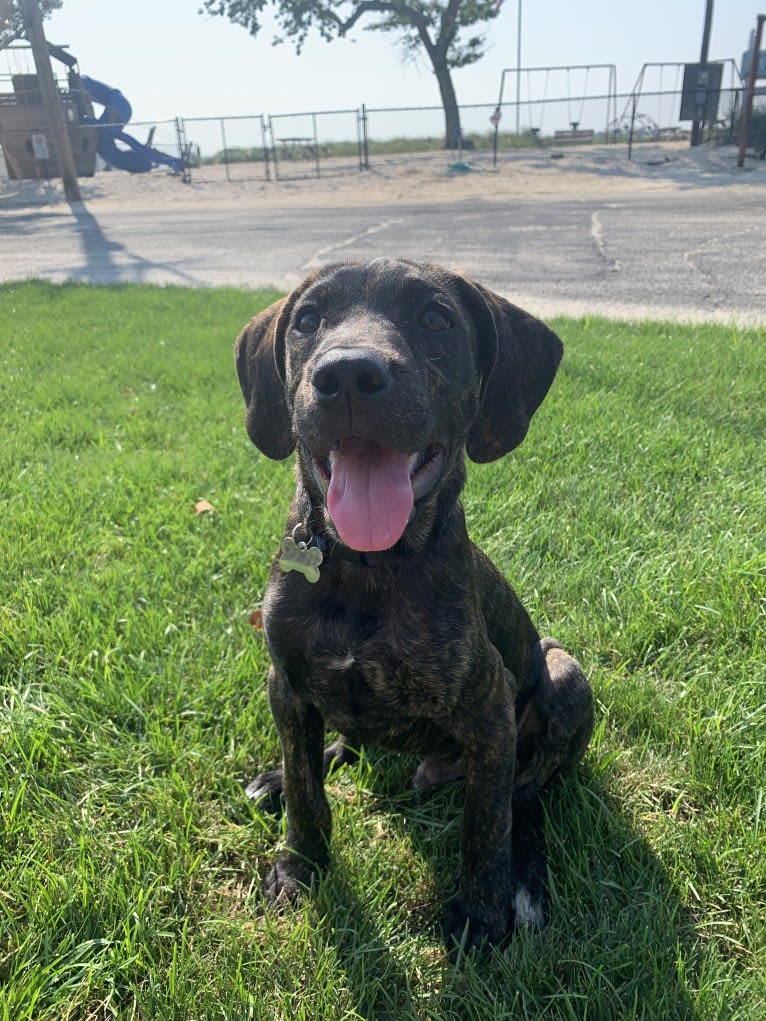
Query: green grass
x=391 y=146
x=133 y=708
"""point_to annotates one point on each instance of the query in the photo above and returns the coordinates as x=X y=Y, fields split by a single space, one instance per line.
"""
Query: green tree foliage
x=446 y=31
x=11 y=23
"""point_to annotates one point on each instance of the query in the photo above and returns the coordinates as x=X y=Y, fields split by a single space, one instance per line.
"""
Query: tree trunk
x=452 y=128
x=437 y=54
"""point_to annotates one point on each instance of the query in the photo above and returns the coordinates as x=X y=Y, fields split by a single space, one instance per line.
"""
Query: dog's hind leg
x=552 y=730
x=552 y=733
x=555 y=726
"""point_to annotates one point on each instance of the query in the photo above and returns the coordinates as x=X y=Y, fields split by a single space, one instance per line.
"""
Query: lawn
x=133 y=710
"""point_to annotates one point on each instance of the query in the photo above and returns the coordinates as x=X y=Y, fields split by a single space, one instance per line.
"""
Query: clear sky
x=170 y=60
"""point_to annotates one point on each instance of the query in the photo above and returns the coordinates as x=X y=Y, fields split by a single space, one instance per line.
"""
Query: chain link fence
x=235 y=148
x=283 y=147
x=292 y=147
x=325 y=143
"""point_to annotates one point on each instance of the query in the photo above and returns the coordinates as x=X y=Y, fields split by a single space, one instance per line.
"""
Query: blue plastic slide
x=137 y=158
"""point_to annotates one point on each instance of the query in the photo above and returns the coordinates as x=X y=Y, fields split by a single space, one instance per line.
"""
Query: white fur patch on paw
x=529 y=912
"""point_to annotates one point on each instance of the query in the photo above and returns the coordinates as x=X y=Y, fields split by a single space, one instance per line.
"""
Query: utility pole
x=699 y=120
x=33 y=27
x=748 y=110
x=518 y=70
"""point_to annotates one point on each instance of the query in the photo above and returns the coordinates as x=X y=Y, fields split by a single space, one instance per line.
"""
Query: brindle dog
x=383 y=621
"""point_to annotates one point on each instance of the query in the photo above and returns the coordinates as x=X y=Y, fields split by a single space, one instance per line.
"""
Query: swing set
x=654 y=112
x=573 y=80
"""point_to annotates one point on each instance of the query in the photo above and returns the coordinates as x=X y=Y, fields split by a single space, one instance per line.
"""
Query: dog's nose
x=360 y=375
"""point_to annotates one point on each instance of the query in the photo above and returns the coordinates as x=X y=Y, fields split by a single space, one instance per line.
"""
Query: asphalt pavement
x=692 y=254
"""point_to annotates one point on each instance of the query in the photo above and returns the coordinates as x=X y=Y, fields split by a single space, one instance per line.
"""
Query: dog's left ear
x=518 y=358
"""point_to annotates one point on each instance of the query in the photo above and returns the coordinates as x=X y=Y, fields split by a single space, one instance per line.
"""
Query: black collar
x=332 y=549
x=335 y=550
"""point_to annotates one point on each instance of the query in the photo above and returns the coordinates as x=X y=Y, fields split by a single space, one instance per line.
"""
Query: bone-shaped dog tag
x=297 y=556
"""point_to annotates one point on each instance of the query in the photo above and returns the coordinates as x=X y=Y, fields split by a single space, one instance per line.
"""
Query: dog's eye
x=435 y=320
x=308 y=322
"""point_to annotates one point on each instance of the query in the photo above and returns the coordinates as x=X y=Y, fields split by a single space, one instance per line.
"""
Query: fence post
x=366 y=137
x=272 y=147
x=361 y=137
x=265 y=148
x=495 y=120
x=316 y=141
x=225 y=150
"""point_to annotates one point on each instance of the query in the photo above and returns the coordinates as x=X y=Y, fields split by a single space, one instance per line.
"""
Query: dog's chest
x=376 y=667
x=373 y=666
x=379 y=696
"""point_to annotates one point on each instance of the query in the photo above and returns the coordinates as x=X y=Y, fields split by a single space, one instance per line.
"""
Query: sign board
x=747 y=57
x=701 y=89
x=40 y=147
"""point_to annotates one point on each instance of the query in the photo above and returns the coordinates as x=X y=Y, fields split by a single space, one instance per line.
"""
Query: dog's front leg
x=480 y=912
x=301 y=731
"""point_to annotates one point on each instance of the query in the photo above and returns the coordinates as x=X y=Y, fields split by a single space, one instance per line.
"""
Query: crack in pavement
x=714 y=293
x=320 y=257
x=597 y=235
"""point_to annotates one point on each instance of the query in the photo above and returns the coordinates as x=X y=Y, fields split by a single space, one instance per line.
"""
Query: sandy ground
x=585 y=171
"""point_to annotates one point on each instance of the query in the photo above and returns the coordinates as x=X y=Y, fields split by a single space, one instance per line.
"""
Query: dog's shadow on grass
x=619 y=939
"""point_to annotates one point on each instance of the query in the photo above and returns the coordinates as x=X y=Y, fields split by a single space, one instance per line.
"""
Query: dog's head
x=382 y=373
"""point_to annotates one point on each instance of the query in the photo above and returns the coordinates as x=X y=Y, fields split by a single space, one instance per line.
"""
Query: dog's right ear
x=259 y=355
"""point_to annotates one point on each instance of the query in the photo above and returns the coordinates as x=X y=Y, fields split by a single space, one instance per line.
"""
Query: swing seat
x=574 y=135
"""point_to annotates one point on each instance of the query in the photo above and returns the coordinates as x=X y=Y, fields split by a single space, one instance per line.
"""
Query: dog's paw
x=530 y=907
x=436 y=772
x=288 y=880
x=471 y=929
x=266 y=790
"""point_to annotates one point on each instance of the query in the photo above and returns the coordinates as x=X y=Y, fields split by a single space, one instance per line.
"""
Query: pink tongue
x=370 y=496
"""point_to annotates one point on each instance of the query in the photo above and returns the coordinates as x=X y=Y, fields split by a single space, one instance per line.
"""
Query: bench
x=573 y=135
x=297 y=148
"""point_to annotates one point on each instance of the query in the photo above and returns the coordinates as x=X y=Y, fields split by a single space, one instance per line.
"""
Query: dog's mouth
x=371 y=490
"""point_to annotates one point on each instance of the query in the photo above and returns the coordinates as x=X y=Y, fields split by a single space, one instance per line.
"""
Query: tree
x=440 y=28
x=12 y=23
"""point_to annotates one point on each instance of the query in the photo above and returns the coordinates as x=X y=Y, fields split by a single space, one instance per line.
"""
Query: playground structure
x=132 y=156
x=25 y=134
x=24 y=130
x=655 y=110
x=569 y=86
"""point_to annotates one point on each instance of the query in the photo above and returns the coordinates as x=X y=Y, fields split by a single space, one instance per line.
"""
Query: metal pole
x=748 y=108
x=497 y=115
x=265 y=148
x=225 y=148
x=364 y=155
x=316 y=142
x=518 y=71
x=33 y=26
x=699 y=121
